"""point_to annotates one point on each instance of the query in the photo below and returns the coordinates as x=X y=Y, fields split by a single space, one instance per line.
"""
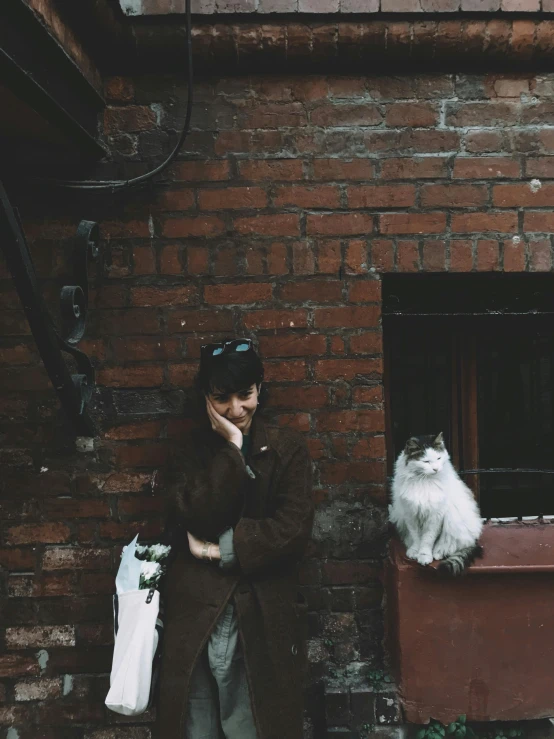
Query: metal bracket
x=74 y=390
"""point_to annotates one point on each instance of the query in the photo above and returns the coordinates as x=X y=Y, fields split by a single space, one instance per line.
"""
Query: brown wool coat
x=272 y=517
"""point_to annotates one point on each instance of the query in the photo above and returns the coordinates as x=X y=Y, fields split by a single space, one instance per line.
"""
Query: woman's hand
x=223 y=427
x=203 y=549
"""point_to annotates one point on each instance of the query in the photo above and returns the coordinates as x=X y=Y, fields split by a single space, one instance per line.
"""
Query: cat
x=434 y=512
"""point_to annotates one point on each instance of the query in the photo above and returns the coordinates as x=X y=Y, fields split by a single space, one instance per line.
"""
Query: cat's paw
x=424 y=557
x=439 y=553
x=412 y=552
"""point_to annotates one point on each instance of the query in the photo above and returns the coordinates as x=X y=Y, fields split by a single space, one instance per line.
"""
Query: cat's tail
x=456 y=563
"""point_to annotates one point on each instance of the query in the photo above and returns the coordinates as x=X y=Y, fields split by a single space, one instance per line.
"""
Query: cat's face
x=426 y=454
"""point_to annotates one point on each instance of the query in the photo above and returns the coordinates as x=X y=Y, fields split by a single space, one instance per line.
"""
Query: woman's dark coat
x=272 y=517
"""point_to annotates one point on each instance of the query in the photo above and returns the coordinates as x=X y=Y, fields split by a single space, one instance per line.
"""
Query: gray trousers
x=219 y=700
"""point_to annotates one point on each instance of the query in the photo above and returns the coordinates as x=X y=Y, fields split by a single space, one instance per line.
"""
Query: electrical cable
x=117 y=185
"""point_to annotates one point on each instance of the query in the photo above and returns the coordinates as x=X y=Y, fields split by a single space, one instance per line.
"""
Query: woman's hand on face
x=223 y=427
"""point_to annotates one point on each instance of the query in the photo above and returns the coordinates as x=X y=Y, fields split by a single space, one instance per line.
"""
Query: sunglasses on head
x=226 y=347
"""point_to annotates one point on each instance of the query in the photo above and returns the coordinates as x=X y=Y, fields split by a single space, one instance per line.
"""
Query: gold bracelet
x=205 y=548
x=209 y=552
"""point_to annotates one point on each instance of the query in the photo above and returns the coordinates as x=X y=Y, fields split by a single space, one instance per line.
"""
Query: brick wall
x=293 y=197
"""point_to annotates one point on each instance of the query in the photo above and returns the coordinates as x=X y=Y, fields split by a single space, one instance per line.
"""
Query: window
x=473 y=356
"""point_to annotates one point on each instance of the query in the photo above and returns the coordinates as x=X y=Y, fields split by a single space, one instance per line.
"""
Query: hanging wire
x=117 y=185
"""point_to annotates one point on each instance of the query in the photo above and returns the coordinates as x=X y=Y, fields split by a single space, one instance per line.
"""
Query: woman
x=240 y=519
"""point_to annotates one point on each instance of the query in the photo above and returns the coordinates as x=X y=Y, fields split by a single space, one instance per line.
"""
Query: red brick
x=277 y=259
x=477 y=142
x=329 y=257
x=292 y=345
x=232 y=198
x=347 y=369
x=381 y=196
x=434 y=256
x=351 y=317
x=252 y=292
x=146 y=376
x=487 y=256
x=126 y=482
x=540 y=167
x=183 y=374
x=540 y=256
x=409 y=168
x=64 y=508
x=170 y=262
x=429 y=140
x=370 y=342
x=18 y=665
x=72 y=558
x=190 y=321
x=119 y=89
x=461 y=256
x=307 y=396
x=146 y=349
x=372 y=394
x=412 y=223
x=275 y=319
x=193 y=226
x=408 y=256
x=303 y=259
x=339 y=224
x=129 y=119
x=505 y=222
x=254 y=258
x=271 y=170
x=411 y=114
x=139 y=505
x=302 y=196
x=371 y=447
x=316 y=291
x=490 y=113
x=346 y=114
x=340 y=169
x=365 y=291
x=196 y=171
x=156 y=296
x=226 y=262
x=275 y=115
x=522 y=196
x=145 y=455
x=382 y=255
x=298 y=421
x=44 y=533
x=337 y=473
x=542 y=221
x=18 y=559
x=453 y=196
x=336 y=345
x=144 y=260
x=125 y=229
x=486 y=168
x=140 y=430
x=285 y=371
x=351 y=420
x=514 y=256
x=355 y=258
x=176 y=200
x=283 y=224
x=19 y=354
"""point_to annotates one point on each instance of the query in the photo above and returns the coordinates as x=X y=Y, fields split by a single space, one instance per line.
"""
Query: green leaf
x=421 y=733
x=462 y=719
x=451 y=728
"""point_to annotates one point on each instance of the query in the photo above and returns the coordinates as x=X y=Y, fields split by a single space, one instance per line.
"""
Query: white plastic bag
x=136 y=640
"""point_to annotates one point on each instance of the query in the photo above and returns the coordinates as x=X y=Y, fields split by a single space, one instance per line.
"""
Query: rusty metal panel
x=480 y=645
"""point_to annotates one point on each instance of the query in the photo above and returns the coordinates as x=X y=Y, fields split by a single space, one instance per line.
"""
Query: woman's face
x=237 y=407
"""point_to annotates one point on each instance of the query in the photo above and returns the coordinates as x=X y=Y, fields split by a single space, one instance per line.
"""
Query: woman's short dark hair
x=230 y=372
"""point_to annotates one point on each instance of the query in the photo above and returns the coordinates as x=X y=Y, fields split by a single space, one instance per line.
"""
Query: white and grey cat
x=434 y=512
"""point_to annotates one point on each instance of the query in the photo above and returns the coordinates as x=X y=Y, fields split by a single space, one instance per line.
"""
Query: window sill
x=480 y=644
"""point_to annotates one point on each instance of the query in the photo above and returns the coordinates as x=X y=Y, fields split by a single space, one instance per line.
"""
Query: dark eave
x=37 y=71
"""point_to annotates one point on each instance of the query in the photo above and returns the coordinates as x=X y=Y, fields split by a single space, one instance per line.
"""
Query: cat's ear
x=412 y=446
x=439 y=440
